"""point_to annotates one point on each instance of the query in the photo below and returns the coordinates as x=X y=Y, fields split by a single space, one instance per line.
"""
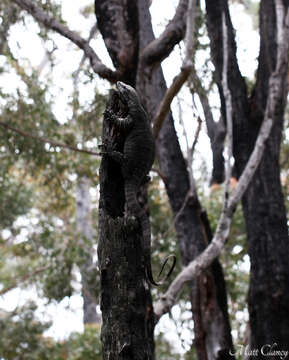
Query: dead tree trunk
x=263 y=203
x=128 y=322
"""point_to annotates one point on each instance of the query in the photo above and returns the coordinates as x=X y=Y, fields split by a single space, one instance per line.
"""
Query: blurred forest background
x=51 y=109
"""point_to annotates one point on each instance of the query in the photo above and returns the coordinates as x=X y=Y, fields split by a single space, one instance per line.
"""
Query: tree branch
x=51 y=23
x=216 y=130
x=160 y=174
x=236 y=83
x=45 y=140
x=186 y=69
x=23 y=278
x=118 y=24
x=160 y=48
x=277 y=85
x=92 y=32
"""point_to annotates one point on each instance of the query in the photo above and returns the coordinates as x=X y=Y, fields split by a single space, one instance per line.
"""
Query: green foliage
x=84 y=345
x=57 y=281
x=88 y=121
x=164 y=349
x=38 y=181
x=15 y=198
x=87 y=10
x=21 y=335
x=22 y=339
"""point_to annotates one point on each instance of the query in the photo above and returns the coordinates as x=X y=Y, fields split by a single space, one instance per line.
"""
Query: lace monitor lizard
x=136 y=161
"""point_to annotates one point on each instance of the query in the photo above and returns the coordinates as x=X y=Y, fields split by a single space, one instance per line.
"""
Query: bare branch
x=160 y=174
x=186 y=69
x=196 y=137
x=23 y=278
x=45 y=140
x=189 y=153
x=191 y=194
x=76 y=75
x=45 y=60
x=277 y=87
x=216 y=130
x=160 y=48
x=51 y=23
x=172 y=91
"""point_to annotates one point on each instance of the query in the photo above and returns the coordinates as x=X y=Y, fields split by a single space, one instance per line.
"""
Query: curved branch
x=51 y=23
x=160 y=48
x=277 y=88
x=118 y=24
x=45 y=140
x=23 y=278
x=186 y=68
x=92 y=32
x=216 y=130
x=172 y=91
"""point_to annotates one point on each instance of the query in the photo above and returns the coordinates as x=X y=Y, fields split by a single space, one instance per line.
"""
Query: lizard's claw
x=109 y=115
x=106 y=147
x=103 y=149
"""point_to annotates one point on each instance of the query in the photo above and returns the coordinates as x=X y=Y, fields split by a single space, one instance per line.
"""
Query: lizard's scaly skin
x=136 y=162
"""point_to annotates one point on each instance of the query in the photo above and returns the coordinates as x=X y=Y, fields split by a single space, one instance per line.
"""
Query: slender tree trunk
x=86 y=265
x=265 y=213
x=212 y=329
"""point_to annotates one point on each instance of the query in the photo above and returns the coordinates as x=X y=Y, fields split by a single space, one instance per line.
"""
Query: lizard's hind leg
x=108 y=150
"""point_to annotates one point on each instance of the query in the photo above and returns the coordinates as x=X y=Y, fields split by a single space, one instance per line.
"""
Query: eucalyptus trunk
x=86 y=264
x=263 y=203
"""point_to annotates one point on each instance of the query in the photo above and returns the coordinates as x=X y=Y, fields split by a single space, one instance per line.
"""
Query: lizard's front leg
x=123 y=123
x=108 y=150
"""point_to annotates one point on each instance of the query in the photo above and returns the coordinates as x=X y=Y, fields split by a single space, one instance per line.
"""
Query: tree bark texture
x=126 y=304
x=263 y=203
x=190 y=230
x=211 y=316
x=216 y=132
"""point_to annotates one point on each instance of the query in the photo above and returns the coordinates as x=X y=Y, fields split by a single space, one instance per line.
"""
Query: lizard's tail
x=136 y=210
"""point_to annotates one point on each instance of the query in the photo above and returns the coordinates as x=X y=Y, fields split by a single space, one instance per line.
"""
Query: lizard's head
x=127 y=93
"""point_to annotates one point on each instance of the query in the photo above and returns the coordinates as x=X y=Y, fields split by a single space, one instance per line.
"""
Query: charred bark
x=126 y=304
x=118 y=24
x=190 y=229
x=216 y=132
x=263 y=203
x=236 y=82
x=212 y=313
x=264 y=208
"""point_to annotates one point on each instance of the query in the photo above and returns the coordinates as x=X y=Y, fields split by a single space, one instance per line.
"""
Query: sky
x=67 y=316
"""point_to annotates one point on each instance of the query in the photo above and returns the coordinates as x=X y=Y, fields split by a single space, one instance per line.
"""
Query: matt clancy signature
x=265 y=350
